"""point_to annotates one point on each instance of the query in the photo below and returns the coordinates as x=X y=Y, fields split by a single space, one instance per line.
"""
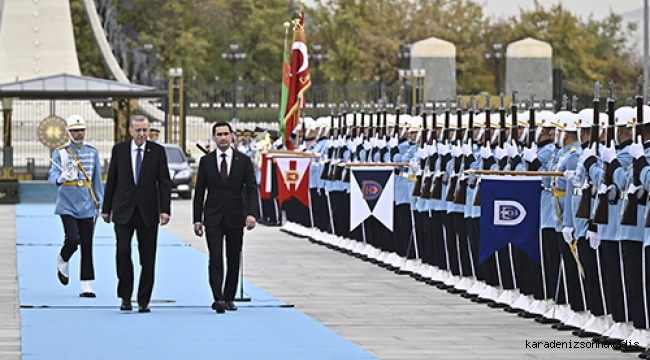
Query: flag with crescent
x=299 y=80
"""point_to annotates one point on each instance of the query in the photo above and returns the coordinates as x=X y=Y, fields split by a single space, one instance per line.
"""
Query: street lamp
x=317 y=56
x=497 y=54
x=417 y=77
x=234 y=56
x=405 y=54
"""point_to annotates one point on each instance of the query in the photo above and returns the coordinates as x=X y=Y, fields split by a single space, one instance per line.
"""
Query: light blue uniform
x=568 y=160
x=73 y=200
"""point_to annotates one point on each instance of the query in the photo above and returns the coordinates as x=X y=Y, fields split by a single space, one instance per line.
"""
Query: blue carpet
x=57 y=324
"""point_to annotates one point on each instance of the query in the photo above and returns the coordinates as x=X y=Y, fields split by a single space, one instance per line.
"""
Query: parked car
x=179 y=171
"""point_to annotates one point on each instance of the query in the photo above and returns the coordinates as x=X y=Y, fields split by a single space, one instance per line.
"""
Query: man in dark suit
x=137 y=197
x=231 y=204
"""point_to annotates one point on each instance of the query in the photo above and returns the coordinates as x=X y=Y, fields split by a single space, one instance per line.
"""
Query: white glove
x=486 y=152
x=594 y=241
x=569 y=175
x=567 y=233
x=65 y=176
x=530 y=154
x=301 y=147
x=373 y=142
x=431 y=149
x=415 y=165
x=467 y=149
x=609 y=153
x=636 y=150
x=393 y=142
x=443 y=150
x=444 y=176
x=501 y=153
x=381 y=143
x=351 y=146
x=329 y=143
x=367 y=146
x=98 y=212
x=511 y=150
x=588 y=152
x=422 y=153
x=632 y=189
x=456 y=151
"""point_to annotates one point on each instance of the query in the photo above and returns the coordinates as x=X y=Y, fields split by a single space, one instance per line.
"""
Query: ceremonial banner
x=299 y=80
x=293 y=179
x=266 y=178
x=286 y=75
x=372 y=191
x=510 y=214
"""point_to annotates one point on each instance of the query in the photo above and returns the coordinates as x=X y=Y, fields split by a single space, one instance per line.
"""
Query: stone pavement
x=391 y=316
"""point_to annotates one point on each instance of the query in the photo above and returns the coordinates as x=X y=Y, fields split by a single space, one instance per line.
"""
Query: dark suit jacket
x=152 y=195
x=233 y=201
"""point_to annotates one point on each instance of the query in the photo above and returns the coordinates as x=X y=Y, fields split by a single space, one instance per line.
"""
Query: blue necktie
x=138 y=164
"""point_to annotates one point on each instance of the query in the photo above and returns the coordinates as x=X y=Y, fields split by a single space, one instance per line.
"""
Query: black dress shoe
x=88 y=294
x=144 y=308
x=644 y=355
x=126 y=305
x=218 y=307
x=565 y=327
x=230 y=306
x=62 y=278
x=545 y=320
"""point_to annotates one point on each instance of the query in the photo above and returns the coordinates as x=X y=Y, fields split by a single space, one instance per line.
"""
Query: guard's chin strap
x=72 y=140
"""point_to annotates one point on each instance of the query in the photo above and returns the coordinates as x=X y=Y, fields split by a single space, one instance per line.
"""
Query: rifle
x=630 y=213
x=453 y=180
x=431 y=160
x=353 y=136
x=337 y=173
x=461 y=193
x=436 y=191
x=324 y=175
x=417 y=188
x=502 y=123
x=602 y=209
x=486 y=142
x=532 y=126
x=584 y=208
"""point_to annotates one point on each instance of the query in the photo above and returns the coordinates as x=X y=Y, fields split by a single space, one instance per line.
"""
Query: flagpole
x=514 y=172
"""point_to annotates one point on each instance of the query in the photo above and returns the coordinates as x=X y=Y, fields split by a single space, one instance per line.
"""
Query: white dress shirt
x=134 y=153
x=228 y=159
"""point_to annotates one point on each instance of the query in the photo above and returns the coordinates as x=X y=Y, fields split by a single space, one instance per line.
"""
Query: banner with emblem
x=266 y=177
x=371 y=194
x=293 y=179
x=510 y=214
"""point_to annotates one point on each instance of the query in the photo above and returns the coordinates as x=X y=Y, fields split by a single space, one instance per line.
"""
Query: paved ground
x=391 y=316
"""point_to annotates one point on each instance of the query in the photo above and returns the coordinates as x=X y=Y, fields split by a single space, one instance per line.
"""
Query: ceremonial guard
x=76 y=172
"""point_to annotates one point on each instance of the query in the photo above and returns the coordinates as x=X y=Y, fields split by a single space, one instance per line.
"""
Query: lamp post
x=497 y=54
x=234 y=56
x=404 y=54
x=416 y=76
x=317 y=56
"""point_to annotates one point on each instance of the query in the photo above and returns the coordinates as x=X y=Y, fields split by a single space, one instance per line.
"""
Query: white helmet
x=75 y=122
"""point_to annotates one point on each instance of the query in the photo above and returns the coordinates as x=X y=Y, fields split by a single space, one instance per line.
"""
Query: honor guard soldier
x=76 y=172
x=154 y=135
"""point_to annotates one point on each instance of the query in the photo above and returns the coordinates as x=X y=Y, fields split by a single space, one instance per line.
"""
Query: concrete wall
x=438 y=58
x=36 y=39
x=529 y=68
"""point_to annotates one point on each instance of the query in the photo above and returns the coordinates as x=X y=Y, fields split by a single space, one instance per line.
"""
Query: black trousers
x=463 y=244
x=423 y=236
x=215 y=239
x=594 y=285
x=613 y=273
x=551 y=259
x=452 y=263
x=319 y=210
x=79 y=232
x=147 y=241
x=571 y=282
x=474 y=227
x=402 y=231
x=632 y=266
x=437 y=238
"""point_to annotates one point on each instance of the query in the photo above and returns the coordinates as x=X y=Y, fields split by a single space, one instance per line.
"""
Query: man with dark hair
x=137 y=198
x=231 y=205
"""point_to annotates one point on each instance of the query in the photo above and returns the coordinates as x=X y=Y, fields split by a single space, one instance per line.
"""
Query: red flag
x=299 y=80
x=293 y=179
x=266 y=179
